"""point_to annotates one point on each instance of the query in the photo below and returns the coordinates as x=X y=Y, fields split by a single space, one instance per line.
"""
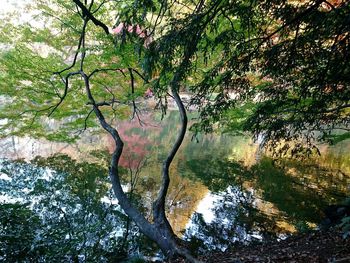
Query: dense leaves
x=289 y=59
x=307 y=66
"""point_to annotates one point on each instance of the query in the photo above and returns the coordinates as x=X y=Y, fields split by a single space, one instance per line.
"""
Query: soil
x=318 y=246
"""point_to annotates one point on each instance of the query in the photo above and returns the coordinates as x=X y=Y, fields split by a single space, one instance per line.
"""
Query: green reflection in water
x=283 y=191
x=287 y=191
x=257 y=193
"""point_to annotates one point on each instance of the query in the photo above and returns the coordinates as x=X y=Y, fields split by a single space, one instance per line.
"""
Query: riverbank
x=311 y=247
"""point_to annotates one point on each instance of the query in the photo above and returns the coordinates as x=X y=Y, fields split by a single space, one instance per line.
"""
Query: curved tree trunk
x=159 y=216
x=160 y=231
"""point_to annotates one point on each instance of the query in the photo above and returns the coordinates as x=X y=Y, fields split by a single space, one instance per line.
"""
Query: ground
x=318 y=246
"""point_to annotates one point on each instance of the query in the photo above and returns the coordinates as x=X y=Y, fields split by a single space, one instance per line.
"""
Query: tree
x=90 y=76
x=296 y=69
x=227 y=53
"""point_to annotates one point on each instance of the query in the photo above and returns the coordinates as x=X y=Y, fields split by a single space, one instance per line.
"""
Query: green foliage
x=36 y=99
x=267 y=67
x=308 y=67
x=276 y=62
x=236 y=118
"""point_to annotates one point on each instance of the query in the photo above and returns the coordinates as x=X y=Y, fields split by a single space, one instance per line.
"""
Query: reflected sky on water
x=221 y=186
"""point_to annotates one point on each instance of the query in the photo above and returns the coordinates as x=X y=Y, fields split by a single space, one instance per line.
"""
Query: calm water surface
x=222 y=186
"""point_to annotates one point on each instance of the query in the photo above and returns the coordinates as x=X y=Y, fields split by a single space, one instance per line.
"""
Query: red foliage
x=136 y=142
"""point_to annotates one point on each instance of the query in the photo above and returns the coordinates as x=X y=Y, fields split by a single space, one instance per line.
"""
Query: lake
x=223 y=187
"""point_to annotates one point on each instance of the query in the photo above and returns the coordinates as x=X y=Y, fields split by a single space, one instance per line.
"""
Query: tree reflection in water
x=263 y=200
x=254 y=196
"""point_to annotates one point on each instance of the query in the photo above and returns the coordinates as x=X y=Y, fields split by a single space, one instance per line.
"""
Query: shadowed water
x=223 y=188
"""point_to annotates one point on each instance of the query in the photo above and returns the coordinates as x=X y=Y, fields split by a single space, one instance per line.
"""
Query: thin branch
x=289 y=23
x=82 y=35
x=139 y=74
x=61 y=20
x=86 y=119
x=105 y=70
x=87 y=13
x=227 y=17
x=156 y=23
x=136 y=111
x=66 y=82
x=86 y=20
x=99 y=6
x=110 y=91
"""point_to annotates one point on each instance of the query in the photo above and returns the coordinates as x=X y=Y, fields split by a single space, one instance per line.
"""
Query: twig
x=82 y=35
x=136 y=111
x=106 y=69
x=66 y=82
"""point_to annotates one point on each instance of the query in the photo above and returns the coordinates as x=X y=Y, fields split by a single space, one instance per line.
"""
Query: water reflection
x=252 y=195
x=288 y=196
x=64 y=198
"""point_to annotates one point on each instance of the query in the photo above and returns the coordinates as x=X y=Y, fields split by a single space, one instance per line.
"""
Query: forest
x=175 y=131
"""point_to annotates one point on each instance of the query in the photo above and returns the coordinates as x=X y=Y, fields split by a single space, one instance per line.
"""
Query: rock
x=334 y=214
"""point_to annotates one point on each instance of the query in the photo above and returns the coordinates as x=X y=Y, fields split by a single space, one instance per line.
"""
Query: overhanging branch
x=87 y=13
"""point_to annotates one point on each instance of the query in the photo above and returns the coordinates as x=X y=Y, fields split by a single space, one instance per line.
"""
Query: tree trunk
x=160 y=231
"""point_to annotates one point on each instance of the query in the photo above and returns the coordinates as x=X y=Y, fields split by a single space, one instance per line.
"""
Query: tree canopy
x=287 y=61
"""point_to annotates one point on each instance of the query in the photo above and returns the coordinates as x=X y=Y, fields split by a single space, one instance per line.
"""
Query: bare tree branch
x=87 y=13
x=136 y=111
x=81 y=38
x=105 y=70
x=66 y=83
